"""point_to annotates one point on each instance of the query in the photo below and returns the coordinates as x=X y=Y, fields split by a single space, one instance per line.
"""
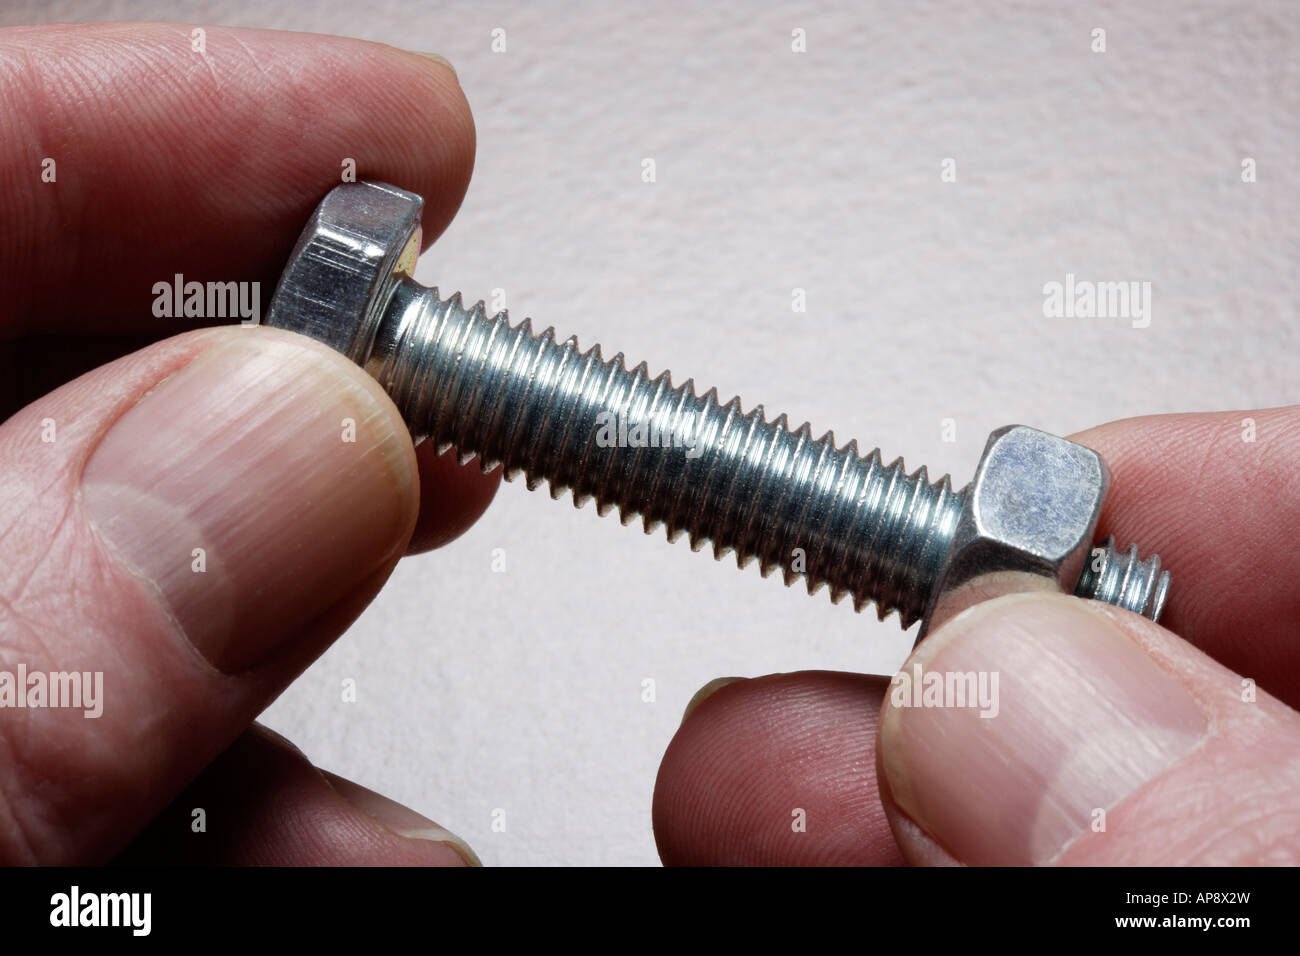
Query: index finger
x=1217 y=495
x=130 y=153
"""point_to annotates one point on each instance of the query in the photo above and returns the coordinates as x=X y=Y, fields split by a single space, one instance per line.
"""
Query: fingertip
x=1021 y=722
x=778 y=771
x=262 y=803
x=246 y=134
x=446 y=847
x=452 y=496
x=262 y=444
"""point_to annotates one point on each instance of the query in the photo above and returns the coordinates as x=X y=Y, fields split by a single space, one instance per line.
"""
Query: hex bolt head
x=338 y=279
x=519 y=399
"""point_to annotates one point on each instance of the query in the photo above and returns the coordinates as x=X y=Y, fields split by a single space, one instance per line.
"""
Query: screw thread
x=520 y=399
x=1124 y=580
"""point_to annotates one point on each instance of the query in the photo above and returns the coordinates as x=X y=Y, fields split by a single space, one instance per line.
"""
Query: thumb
x=181 y=533
x=1095 y=738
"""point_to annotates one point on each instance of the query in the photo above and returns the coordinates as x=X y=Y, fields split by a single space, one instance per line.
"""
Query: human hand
x=196 y=521
x=206 y=166
x=1115 y=741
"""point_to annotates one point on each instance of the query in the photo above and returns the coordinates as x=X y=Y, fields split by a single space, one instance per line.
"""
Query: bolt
x=522 y=400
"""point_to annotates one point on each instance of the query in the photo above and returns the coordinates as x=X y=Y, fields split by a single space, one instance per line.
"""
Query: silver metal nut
x=1028 y=519
x=339 y=276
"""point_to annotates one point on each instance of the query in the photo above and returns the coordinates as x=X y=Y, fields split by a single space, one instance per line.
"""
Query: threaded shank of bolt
x=1122 y=579
x=591 y=426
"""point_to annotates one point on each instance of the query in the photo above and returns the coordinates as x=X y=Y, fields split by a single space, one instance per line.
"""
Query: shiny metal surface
x=758 y=488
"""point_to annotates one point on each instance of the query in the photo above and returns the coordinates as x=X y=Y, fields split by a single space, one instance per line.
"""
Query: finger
x=233 y=204
x=36 y=365
x=217 y=156
x=261 y=803
x=1106 y=740
x=194 y=522
x=452 y=496
x=1215 y=495
x=779 y=771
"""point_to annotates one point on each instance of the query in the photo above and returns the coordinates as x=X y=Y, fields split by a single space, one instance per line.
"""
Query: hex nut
x=1028 y=519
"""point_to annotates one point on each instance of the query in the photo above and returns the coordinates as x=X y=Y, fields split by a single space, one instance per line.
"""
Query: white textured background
x=776 y=170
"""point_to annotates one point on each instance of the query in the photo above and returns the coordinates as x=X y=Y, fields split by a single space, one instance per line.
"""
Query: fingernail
x=1080 y=718
x=438 y=58
x=707 y=691
x=254 y=489
x=400 y=820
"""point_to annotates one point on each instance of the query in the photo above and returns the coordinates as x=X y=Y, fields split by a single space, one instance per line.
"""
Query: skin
x=171 y=163
x=164 y=166
x=1195 y=492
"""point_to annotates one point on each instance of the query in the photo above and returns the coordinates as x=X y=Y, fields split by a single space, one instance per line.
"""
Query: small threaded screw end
x=1122 y=579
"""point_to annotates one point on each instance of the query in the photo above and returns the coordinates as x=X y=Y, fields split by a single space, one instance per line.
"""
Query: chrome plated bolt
x=519 y=399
